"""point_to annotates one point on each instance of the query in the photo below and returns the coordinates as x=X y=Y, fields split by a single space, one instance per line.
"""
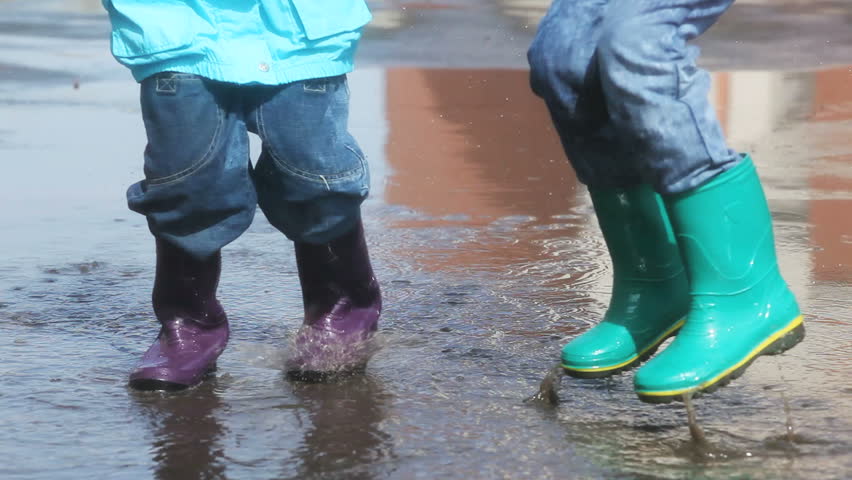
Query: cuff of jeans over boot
x=324 y=233
x=695 y=180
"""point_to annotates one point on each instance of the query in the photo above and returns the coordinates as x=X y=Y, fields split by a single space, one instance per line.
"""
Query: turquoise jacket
x=269 y=42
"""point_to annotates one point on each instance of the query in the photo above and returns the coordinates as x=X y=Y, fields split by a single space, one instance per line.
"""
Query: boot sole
x=643 y=356
x=159 y=385
x=777 y=343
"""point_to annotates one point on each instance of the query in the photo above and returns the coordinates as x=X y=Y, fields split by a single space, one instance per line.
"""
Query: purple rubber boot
x=342 y=307
x=194 y=328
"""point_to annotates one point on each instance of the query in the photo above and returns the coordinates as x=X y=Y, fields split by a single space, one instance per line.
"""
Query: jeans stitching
x=691 y=110
x=324 y=179
x=322 y=88
x=166 y=85
x=167 y=82
x=320 y=178
x=197 y=165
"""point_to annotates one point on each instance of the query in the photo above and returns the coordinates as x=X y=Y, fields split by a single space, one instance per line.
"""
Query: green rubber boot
x=741 y=307
x=650 y=291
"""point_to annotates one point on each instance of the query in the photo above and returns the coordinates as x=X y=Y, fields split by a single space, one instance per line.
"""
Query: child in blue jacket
x=210 y=72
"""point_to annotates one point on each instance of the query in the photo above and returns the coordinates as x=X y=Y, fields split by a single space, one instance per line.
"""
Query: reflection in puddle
x=482 y=176
x=345 y=434
x=179 y=452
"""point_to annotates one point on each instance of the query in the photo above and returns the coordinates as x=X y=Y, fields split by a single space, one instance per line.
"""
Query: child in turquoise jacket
x=210 y=72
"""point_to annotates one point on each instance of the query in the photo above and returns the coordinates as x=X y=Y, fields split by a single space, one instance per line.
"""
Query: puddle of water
x=490 y=259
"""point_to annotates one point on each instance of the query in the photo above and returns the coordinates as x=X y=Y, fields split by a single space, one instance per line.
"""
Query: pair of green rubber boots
x=699 y=265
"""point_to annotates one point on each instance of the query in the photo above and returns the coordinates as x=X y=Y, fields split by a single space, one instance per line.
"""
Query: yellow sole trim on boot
x=754 y=353
x=656 y=343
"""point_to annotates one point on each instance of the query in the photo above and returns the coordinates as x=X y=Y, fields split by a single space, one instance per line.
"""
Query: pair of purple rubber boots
x=342 y=306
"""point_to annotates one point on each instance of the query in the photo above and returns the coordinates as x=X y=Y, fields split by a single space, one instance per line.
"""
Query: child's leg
x=650 y=291
x=649 y=296
x=197 y=193
x=311 y=176
x=197 y=197
x=311 y=179
x=741 y=306
x=564 y=73
x=657 y=98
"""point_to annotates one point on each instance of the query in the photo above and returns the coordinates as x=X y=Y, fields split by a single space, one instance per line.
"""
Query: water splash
x=318 y=355
x=790 y=431
x=695 y=429
x=547 y=391
x=699 y=449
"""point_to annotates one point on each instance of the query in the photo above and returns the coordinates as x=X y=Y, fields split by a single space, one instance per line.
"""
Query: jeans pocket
x=336 y=163
x=304 y=129
x=183 y=122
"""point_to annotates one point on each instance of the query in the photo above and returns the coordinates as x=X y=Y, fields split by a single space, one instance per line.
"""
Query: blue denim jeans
x=625 y=94
x=200 y=190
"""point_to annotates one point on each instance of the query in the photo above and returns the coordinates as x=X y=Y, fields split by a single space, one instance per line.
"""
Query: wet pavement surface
x=484 y=241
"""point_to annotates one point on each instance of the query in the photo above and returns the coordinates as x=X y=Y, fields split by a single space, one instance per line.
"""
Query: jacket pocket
x=142 y=28
x=324 y=18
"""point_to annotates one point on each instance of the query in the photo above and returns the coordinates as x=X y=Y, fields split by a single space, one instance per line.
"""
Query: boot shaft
x=741 y=307
x=637 y=232
x=185 y=287
x=724 y=231
x=339 y=268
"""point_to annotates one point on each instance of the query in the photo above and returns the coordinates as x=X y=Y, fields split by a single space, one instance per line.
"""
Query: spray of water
x=316 y=355
x=547 y=391
x=694 y=428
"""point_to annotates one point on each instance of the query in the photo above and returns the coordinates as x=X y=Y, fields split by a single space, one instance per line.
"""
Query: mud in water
x=489 y=258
